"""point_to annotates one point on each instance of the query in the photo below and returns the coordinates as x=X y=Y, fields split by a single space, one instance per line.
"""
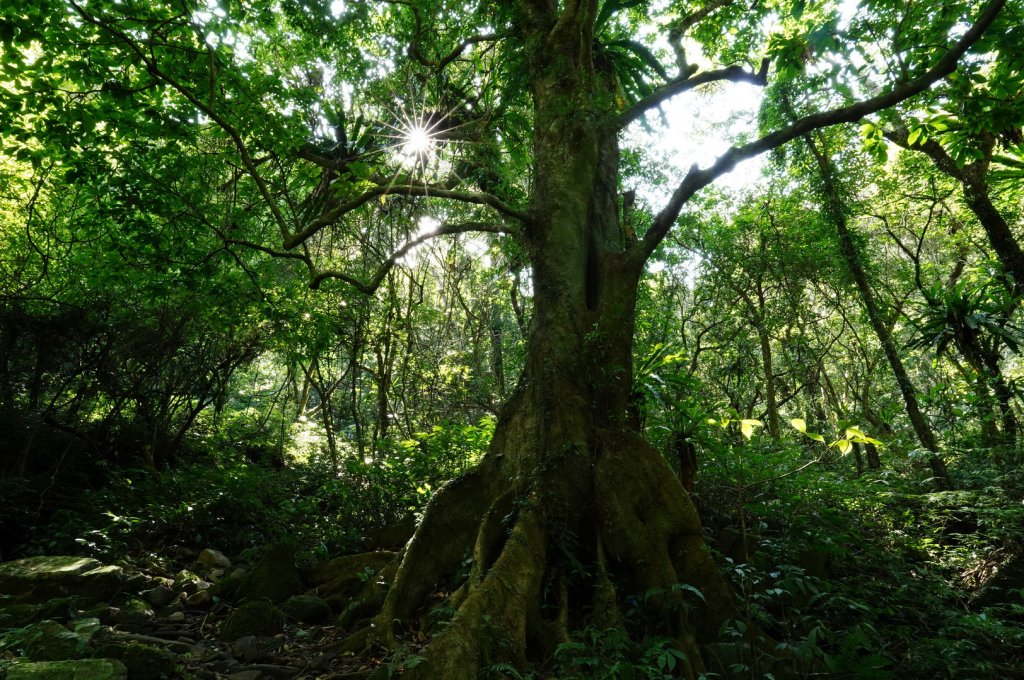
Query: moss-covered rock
x=49 y=641
x=344 y=579
x=307 y=609
x=37 y=579
x=21 y=615
x=274 y=577
x=144 y=662
x=83 y=669
x=133 y=612
x=255 y=617
x=227 y=588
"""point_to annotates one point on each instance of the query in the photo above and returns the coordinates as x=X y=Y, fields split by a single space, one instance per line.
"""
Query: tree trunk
x=835 y=211
x=566 y=481
x=971 y=177
x=497 y=349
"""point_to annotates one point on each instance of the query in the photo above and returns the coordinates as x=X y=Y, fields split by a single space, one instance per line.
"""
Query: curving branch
x=370 y=287
x=425 y=190
x=696 y=179
x=975 y=189
x=687 y=82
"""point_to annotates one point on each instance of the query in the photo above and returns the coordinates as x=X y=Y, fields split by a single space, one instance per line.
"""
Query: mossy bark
x=571 y=511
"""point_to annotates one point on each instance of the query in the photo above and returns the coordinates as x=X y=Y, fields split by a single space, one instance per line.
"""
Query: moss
x=274 y=577
x=84 y=669
x=144 y=662
x=307 y=609
x=256 y=617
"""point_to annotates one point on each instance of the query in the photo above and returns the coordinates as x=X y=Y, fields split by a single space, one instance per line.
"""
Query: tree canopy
x=426 y=252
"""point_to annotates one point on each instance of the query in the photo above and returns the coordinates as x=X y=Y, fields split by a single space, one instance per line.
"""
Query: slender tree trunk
x=977 y=196
x=497 y=350
x=835 y=209
x=770 y=386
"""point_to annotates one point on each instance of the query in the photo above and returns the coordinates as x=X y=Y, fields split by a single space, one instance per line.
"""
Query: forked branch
x=696 y=179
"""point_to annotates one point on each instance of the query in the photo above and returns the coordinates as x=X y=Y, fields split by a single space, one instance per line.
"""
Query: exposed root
x=491 y=623
x=538 y=572
x=448 y=531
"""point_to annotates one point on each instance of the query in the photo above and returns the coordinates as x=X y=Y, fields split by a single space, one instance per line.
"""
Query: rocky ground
x=196 y=616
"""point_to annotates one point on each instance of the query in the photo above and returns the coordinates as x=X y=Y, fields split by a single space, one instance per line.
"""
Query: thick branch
x=696 y=179
x=416 y=52
x=685 y=82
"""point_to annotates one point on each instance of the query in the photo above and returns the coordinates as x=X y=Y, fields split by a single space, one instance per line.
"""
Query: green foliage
x=401 y=477
x=611 y=653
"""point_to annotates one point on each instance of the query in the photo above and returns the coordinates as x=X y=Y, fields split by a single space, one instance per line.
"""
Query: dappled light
x=608 y=339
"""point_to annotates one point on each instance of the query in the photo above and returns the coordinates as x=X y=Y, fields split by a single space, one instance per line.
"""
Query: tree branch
x=236 y=138
x=696 y=179
x=426 y=190
x=686 y=82
x=417 y=53
x=370 y=287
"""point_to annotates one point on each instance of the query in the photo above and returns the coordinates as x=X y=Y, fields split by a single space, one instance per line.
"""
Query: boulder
x=37 y=579
x=307 y=609
x=21 y=615
x=160 y=596
x=200 y=598
x=252 y=649
x=274 y=577
x=255 y=617
x=344 y=578
x=214 y=559
x=49 y=641
x=83 y=669
x=133 y=613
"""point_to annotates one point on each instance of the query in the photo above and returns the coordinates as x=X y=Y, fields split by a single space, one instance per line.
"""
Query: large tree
x=511 y=120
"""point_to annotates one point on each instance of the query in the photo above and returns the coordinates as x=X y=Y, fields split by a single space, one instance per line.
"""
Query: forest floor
x=855 y=578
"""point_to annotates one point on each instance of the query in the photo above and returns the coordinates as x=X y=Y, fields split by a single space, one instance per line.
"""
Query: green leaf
x=800 y=424
x=747 y=426
x=843 y=445
x=854 y=433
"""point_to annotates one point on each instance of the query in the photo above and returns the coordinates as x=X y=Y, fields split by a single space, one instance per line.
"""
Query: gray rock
x=134 y=612
x=251 y=648
x=161 y=596
x=83 y=669
x=246 y=675
x=199 y=598
x=214 y=558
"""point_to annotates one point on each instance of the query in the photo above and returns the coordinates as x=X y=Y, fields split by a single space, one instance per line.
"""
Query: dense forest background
x=273 y=271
